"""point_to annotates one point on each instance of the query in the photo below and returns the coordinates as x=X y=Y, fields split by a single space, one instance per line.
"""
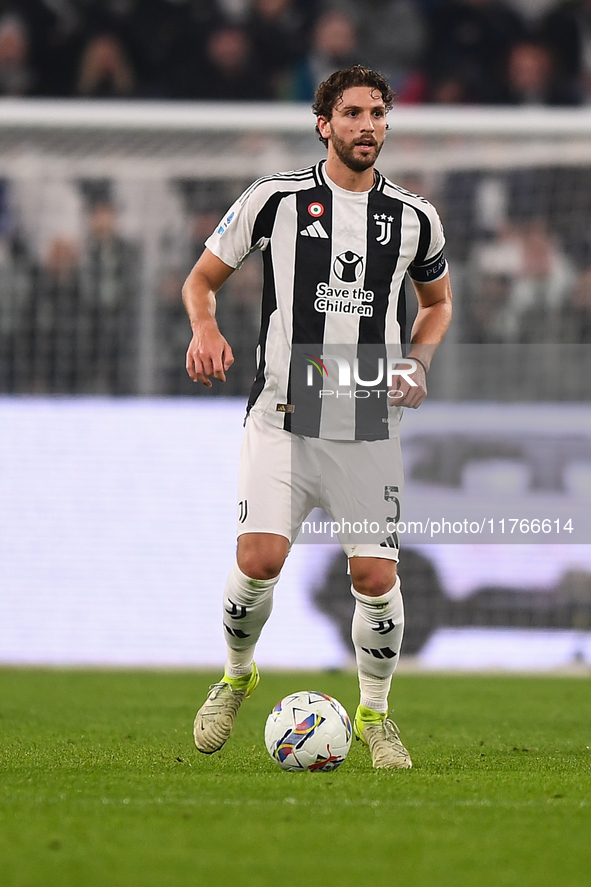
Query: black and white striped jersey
x=333 y=295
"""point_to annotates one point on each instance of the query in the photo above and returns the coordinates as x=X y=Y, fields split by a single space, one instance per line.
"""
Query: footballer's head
x=330 y=92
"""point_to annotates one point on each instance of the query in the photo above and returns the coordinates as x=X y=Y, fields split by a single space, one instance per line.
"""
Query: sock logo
x=235 y=611
x=383 y=627
x=382 y=653
x=235 y=632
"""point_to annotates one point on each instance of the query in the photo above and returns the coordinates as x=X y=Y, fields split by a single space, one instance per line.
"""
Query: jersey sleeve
x=234 y=238
x=429 y=263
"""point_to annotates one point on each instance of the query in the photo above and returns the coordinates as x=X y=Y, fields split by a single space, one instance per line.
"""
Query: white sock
x=378 y=626
x=247 y=606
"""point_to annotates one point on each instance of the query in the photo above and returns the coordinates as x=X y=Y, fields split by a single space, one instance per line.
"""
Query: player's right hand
x=208 y=355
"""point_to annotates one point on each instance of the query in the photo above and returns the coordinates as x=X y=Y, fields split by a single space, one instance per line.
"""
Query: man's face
x=357 y=128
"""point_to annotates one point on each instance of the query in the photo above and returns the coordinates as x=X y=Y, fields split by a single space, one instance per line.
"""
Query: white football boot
x=215 y=719
x=381 y=735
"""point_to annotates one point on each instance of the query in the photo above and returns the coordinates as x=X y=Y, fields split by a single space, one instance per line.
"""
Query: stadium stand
x=104 y=208
x=101 y=218
x=491 y=51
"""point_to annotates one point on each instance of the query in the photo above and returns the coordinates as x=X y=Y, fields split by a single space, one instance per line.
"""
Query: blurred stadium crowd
x=449 y=51
x=77 y=260
x=73 y=288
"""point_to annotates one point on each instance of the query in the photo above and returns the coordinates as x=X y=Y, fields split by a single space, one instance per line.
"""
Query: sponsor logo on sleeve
x=224 y=225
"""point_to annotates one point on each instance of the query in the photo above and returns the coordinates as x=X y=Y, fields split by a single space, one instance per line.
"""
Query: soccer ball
x=308 y=731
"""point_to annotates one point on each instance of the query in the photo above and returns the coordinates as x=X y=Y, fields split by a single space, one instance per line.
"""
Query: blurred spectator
x=391 y=37
x=532 y=78
x=105 y=70
x=8 y=295
x=532 y=9
x=566 y=31
x=521 y=279
x=173 y=325
x=107 y=313
x=231 y=69
x=61 y=261
x=52 y=314
x=334 y=45
x=280 y=32
x=165 y=41
x=6 y=218
x=17 y=78
x=57 y=30
x=76 y=323
x=576 y=316
x=233 y=12
x=238 y=306
x=48 y=208
x=448 y=89
x=469 y=44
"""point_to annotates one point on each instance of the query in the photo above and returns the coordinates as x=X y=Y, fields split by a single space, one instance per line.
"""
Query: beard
x=345 y=151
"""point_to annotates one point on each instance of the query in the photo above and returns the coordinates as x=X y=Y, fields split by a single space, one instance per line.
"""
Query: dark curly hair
x=331 y=90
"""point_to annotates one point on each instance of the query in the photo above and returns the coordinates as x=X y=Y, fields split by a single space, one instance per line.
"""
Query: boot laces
x=221 y=696
x=391 y=734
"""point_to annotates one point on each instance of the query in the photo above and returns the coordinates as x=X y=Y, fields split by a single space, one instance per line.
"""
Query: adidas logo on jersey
x=314 y=230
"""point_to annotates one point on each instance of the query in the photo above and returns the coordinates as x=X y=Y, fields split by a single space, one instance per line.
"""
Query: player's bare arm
x=208 y=353
x=429 y=328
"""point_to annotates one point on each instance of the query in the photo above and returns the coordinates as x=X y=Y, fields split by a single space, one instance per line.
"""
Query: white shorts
x=284 y=476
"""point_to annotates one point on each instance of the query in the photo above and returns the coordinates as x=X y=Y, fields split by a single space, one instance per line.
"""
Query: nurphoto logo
x=389 y=369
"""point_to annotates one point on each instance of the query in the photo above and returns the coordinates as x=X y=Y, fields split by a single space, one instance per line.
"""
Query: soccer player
x=337 y=240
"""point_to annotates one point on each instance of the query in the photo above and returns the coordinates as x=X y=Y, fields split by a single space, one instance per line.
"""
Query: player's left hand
x=407 y=395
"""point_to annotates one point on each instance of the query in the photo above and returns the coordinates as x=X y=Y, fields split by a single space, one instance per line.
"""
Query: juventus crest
x=384 y=224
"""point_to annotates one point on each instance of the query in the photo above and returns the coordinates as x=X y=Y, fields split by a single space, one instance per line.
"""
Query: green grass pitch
x=100 y=786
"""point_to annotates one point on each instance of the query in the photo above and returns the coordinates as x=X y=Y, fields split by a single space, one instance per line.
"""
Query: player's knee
x=259 y=567
x=261 y=558
x=372 y=576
